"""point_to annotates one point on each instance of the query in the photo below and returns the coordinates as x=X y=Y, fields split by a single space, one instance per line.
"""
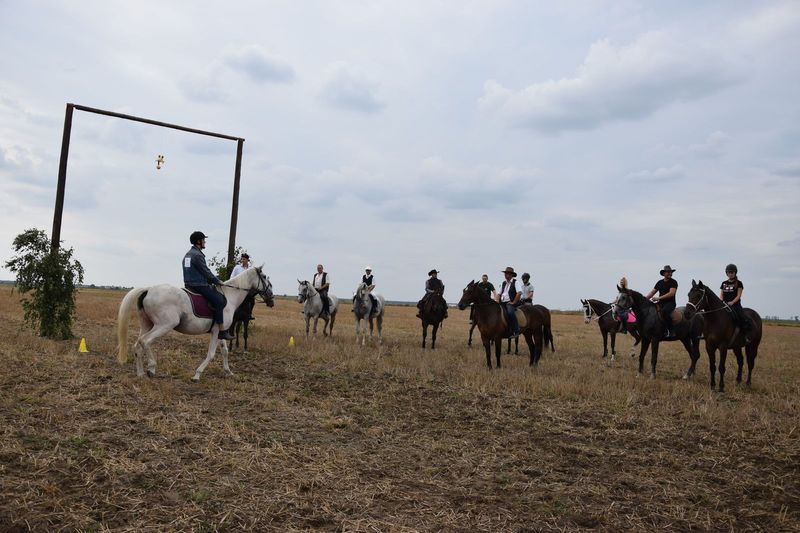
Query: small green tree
x=223 y=269
x=51 y=280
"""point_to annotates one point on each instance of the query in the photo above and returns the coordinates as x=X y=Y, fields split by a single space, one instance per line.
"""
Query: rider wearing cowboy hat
x=508 y=296
x=432 y=284
x=197 y=277
x=666 y=288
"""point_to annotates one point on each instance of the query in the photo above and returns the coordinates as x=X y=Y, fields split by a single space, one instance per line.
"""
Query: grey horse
x=312 y=308
x=363 y=309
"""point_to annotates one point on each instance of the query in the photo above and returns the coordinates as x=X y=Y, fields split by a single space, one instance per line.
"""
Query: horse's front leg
x=689 y=345
x=358 y=330
x=605 y=342
x=498 y=350
x=308 y=324
x=653 y=359
x=487 y=343
x=739 y=361
x=227 y=369
x=433 y=336
x=712 y=363
x=380 y=329
x=642 y=353
x=424 y=333
x=613 y=345
x=723 y=355
x=212 y=349
x=316 y=321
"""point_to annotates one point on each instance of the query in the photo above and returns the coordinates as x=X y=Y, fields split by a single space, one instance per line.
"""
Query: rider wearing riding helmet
x=197 y=277
x=730 y=292
x=526 y=290
x=666 y=288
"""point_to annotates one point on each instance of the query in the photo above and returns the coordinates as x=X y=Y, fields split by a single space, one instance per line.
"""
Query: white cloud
x=256 y=64
x=615 y=83
x=713 y=146
x=661 y=174
x=771 y=22
x=346 y=88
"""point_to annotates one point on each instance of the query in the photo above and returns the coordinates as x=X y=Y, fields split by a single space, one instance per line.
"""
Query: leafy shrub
x=49 y=281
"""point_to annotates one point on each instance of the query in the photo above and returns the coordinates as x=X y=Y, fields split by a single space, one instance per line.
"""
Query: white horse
x=308 y=295
x=163 y=308
x=364 y=310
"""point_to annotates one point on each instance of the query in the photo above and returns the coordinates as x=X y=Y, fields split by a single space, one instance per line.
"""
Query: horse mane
x=242 y=281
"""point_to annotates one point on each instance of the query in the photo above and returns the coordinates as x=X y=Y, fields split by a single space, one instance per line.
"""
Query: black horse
x=603 y=313
x=548 y=332
x=651 y=329
x=721 y=332
x=243 y=315
x=432 y=313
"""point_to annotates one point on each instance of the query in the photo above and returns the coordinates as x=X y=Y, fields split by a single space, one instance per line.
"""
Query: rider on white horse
x=197 y=277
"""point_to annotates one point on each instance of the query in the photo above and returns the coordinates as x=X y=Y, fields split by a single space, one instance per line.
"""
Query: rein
x=705 y=312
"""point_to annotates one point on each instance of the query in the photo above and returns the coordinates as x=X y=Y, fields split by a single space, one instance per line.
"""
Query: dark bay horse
x=721 y=332
x=432 y=313
x=651 y=329
x=241 y=319
x=548 y=332
x=489 y=315
x=603 y=313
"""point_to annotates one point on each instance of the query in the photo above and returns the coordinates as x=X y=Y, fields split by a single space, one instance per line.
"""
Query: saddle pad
x=630 y=318
x=200 y=306
x=522 y=318
x=677 y=316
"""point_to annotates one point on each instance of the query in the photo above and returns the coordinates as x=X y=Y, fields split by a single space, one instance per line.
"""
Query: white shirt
x=318 y=280
x=238 y=269
x=527 y=292
x=504 y=297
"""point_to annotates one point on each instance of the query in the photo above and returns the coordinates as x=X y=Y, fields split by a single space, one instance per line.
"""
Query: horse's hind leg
x=224 y=346
x=613 y=335
x=739 y=361
x=689 y=345
x=752 y=352
x=642 y=353
x=380 y=329
x=425 y=333
x=147 y=339
x=532 y=349
x=212 y=349
x=433 y=336
x=712 y=363
x=653 y=360
x=605 y=342
x=723 y=355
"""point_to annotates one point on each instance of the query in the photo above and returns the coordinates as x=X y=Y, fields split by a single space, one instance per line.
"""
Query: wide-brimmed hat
x=368 y=268
x=667 y=268
x=432 y=272
x=510 y=270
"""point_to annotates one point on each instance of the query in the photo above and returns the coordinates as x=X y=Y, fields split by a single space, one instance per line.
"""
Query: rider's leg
x=218 y=303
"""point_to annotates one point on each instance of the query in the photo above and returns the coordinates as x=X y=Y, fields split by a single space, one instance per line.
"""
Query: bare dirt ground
x=330 y=436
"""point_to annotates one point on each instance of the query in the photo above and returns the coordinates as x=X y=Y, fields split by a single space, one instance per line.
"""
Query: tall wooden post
x=55 y=241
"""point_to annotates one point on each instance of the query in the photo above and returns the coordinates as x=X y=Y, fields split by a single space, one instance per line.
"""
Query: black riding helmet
x=731 y=268
x=197 y=236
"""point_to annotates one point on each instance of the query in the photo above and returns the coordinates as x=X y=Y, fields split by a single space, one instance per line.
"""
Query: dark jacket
x=434 y=285
x=195 y=271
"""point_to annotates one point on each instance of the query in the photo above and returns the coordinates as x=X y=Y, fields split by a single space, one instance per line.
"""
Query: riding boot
x=224 y=335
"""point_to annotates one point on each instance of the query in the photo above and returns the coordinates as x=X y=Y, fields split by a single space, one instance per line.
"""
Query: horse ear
x=619 y=289
x=298 y=281
x=694 y=284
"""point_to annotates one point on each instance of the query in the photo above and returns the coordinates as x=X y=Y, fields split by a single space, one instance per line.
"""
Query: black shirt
x=366 y=279
x=730 y=288
x=663 y=286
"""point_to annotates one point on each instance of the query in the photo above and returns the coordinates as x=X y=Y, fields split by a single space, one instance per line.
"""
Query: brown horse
x=721 y=332
x=491 y=320
x=432 y=313
x=603 y=313
x=548 y=332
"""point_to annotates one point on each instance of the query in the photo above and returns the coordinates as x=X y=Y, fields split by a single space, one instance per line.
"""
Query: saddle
x=200 y=306
x=522 y=318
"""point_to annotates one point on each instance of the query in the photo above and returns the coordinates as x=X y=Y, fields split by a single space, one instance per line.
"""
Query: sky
x=579 y=141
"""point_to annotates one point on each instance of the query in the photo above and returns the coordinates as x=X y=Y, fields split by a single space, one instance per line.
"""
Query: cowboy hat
x=432 y=272
x=509 y=270
x=667 y=268
x=368 y=268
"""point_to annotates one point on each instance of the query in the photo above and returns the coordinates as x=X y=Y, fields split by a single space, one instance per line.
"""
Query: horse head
x=698 y=299
x=624 y=298
x=266 y=293
x=302 y=291
x=469 y=295
x=587 y=311
x=362 y=302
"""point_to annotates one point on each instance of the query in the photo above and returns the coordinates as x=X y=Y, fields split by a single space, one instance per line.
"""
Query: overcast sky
x=577 y=141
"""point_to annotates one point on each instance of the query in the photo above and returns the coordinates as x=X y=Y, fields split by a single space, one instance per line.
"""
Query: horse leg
x=380 y=329
x=487 y=345
x=227 y=369
x=712 y=363
x=424 y=332
x=739 y=361
x=653 y=359
x=498 y=350
x=613 y=334
x=508 y=350
x=246 y=327
x=531 y=349
x=723 y=355
x=642 y=353
x=138 y=354
x=433 y=336
x=145 y=340
x=471 y=329
x=212 y=350
x=537 y=346
x=605 y=342
x=332 y=320
x=752 y=352
x=637 y=340
x=308 y=324
x=689 y=345
x=371 y=328
x=358 y=330
x=516 y=345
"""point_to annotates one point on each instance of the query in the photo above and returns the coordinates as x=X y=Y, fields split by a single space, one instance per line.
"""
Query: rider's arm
x=517 y=296
x=670 y=294
x=650 y=294
x=738 y=296
x=200 y=265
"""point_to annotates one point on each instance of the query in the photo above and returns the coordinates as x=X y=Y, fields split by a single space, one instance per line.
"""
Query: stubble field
x=330 y=436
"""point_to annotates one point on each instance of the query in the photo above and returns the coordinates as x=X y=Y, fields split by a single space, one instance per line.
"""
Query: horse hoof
x=151 y=374
x=195 y=379
x=652 y=376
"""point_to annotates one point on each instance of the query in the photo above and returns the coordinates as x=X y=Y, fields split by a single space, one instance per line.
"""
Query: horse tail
x=548 y=337
x=123 y=318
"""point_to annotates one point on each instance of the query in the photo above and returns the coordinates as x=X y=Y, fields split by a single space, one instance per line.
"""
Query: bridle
x=307 y=292
x=589 y=313
x=700 y=303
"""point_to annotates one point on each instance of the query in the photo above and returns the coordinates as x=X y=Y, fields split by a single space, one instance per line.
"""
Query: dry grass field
x=330 y=436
